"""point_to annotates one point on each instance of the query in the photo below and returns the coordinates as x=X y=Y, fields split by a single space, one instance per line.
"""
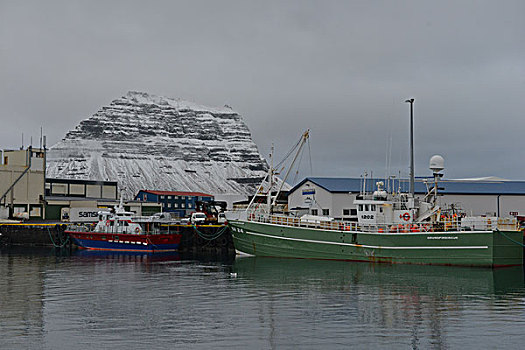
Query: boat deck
x=502 y=224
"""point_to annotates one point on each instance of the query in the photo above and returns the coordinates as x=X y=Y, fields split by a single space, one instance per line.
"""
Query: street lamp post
x=411 y=101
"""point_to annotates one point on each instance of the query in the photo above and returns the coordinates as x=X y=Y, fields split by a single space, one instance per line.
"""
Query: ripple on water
x=123 y=302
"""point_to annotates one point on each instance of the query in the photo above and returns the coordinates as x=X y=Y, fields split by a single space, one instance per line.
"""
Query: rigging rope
x=298 y=166
x=62 y=244
x=210 y=237
x=510 y=239
x=153 y=244
x=290 y=152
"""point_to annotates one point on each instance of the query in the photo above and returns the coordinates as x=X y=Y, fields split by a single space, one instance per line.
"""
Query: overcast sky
x=341 y=68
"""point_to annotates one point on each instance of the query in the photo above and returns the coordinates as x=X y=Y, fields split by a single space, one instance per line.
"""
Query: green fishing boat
x=391 y=228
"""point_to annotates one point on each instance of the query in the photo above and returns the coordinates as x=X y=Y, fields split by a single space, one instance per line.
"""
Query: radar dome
x=437 y=163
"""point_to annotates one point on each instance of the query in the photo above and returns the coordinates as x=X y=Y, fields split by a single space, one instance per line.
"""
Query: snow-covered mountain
x=151 y=142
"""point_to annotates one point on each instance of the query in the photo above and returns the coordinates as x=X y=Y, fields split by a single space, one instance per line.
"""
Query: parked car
x=198 y=218
x=221 y=219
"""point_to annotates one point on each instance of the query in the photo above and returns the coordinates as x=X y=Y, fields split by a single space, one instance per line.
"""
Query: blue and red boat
x=118 y=230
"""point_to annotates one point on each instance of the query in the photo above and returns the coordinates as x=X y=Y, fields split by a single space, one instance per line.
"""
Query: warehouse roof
x=463 y=186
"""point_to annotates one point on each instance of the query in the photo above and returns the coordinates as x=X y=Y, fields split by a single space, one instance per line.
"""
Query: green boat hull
x=465 y=248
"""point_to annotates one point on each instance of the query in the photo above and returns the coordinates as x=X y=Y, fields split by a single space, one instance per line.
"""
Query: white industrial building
x=335 y=196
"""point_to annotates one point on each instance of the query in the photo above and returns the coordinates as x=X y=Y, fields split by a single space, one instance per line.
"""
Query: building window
x=169 y=205
x=169 y=197
x=346 y=212
x=314 y=211
x=161 y=197
x=326 y=212
x=182 y=205
x=175 y=205
x=176 y=197
x=189 y=205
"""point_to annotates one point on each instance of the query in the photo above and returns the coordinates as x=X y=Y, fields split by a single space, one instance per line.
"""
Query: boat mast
x=304 y=137
x=411 y=101
x=269 y=198
x=258 y=190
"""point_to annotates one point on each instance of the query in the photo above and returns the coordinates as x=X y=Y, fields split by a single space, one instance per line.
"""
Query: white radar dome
x=437 y=163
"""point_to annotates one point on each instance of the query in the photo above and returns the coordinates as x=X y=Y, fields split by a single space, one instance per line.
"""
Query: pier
x=195 y=239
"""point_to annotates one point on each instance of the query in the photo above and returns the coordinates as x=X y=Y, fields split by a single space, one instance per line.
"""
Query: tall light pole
x=411 y=101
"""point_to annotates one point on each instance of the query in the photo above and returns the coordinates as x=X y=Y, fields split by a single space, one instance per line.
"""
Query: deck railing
x=453 y=224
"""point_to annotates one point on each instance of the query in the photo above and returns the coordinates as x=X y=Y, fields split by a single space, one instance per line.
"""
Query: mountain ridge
x=144 y=141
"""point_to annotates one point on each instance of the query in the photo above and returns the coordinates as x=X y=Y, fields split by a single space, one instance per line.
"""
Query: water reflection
x=21 y=293
x=431 y=280
x=131 y=300
x=396 y=302
x=137 y=257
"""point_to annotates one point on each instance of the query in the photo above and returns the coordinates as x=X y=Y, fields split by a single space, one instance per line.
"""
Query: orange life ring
x=137 y=229
x=405 y=216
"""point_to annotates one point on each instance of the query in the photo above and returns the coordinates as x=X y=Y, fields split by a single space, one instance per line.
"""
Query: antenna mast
x=411 y=101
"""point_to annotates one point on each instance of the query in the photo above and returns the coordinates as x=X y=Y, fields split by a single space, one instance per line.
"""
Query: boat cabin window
x=326 y=212
x=367 y=208
x=100 y=218
x=373 y=207
x=360 y=207
x=314 y=211
x=400 y=206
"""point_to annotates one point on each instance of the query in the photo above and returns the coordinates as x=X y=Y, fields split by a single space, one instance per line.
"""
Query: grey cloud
x=341 y=68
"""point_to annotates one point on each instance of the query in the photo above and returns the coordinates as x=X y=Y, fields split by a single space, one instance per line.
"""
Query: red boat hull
x=126 y=242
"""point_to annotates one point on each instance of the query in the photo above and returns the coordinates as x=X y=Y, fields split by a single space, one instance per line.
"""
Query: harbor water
x=128 y=301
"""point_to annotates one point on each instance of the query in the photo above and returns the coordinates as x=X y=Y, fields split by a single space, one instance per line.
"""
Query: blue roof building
x=181 y=204
x=334 y=196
